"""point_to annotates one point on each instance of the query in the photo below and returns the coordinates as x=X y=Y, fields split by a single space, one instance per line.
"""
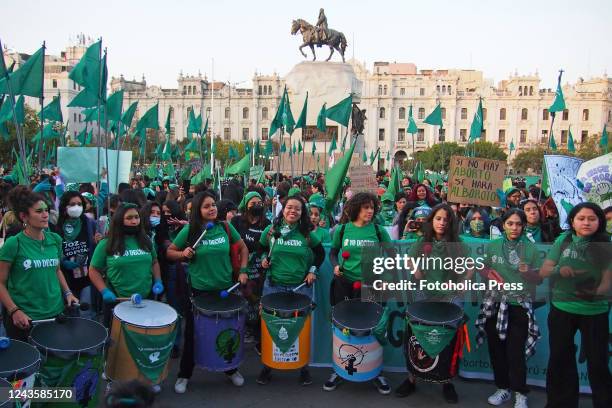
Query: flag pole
x=98 y=182
x=118 y=140
x=303 y=152
x=291 y=157
x=42 y=109
x=212 y=123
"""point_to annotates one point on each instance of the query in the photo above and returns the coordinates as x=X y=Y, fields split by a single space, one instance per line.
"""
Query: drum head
x=434 y=313
x=285 y=302
x=212 y=303
x=71 y=335
x=19 y=360
x=149 y=314
x=355 y=314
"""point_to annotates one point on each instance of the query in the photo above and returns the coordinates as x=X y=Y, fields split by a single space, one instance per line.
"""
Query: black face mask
x=463 y=211
x=131 y=229
x=256 y=210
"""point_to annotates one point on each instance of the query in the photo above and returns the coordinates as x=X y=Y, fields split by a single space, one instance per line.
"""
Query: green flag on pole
x=341 y=112
x=412 y=127
x=53 y=111
x=128 y=115
x=333 y=146
x=301 y=122
x=321 y=125
x=242 y=166
x=551 y=142
x=603 y=141
x=335 y=178
x=512 y=148
x=477 y=124
x=269 y=150
x=277 y=121
x=27 y=80
x=167 y=126
x=286 y=116
x=314 y=148
x=435 y=117
x=283 y=148
x=150 y=120
x=6 y=111
x=558 y=104
x=364 y=157
x=114 y=105
x=570 y=141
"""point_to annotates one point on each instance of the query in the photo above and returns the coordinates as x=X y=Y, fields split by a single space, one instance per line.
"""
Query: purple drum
x=219 y=331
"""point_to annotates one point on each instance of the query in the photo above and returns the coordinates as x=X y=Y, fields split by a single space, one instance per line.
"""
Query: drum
x=142 y=337
x=19 y=364
x=285 y=330
x=356 y=353
x=73 y=356
x=5 y=402
x=219 y=331
x=434 y=340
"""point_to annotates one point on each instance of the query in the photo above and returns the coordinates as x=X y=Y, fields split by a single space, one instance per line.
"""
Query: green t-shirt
x=563 y=291
x=32 y=280
x=127 y=273
x=354 y=240
x=505 y=256
x=291 y=256
x=534 y=233
x=211 y=268
x=322 y=234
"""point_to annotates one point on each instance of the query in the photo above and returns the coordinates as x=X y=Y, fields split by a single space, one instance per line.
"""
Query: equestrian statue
x=319 y=35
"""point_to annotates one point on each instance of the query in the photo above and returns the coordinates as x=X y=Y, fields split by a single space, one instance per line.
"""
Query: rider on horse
x=322 y=33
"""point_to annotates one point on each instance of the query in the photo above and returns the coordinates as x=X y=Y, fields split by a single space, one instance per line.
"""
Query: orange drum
x=285 y=330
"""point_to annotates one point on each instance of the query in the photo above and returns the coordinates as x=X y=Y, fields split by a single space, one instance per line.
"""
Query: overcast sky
x=161 y=38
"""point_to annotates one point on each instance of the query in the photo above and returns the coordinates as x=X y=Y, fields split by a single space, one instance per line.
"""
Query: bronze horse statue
x=335 y=39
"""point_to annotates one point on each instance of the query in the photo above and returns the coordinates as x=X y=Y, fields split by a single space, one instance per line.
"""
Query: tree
x=589 y=149
x=488 y=150
x=438 y=156
x=30 y=127
x=529 y=159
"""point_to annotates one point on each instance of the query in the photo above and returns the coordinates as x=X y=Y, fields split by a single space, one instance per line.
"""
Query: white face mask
x=74 y=211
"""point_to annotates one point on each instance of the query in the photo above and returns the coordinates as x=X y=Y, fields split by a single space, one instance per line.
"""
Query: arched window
x=402 y=113
x=380 y=89
x=484 y=113
x=381 y=113
x=421 y=113
x=264 y=113
x=245 y=113
x=520 y=91
x=259 y=90
x=502 y=114
x=524 y=114
x=438 y=88
x=443 y=112
x=531 y=91
x=449 y=90
x=385 y=89
x=443 y=89
x=269 y=89
x=227 y=113
x=585 y=114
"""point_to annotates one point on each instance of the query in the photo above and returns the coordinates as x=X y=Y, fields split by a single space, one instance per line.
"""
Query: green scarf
x=71 y=229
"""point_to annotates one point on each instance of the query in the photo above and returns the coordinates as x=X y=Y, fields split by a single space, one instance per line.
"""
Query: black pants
x=187 y=360
x=562 y=374
x=508 y=356
x=342 y=289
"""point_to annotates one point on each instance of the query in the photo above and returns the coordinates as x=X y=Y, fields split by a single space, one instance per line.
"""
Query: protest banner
x=596 y=180
x=561 y=173
x=475 y=180
x=363 y=179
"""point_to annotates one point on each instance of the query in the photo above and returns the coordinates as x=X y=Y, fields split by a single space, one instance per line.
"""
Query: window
x=524 y=114
x=502 y=114
x=402 y=113
x=483 y=135
x=75 y=117
x=438 y=88
x=501 y=137
x=520 y=91
x=565 y=114
x=227 y=113
x=264 y=113
x=523 y=138
x=269 y=89
x=584 y=136
x=381 y=113
x=245 y=113
x=402 y=91
x=55 y=83
x=564 y=137
x=80 y=118
x=443 y=89
x=381 y=135
x=422 y=91
x=264 y=133
x=449 y=90
x=463 y=113
x=545 y=114
x=463 y=135
x=531 y=91
x=421 y=135
x=208 y=110
x=259 y=92
x=401 y=135
x=421 y=113
x=245 y=133
x=227 y=134
x=385 y=89
x=441 y=135
x=379 y=89
x=585 y=114
x=609 y=116
x=484 y=114
x=73 y=85
x=544 y=137
x=184 y=90
x=443 y=113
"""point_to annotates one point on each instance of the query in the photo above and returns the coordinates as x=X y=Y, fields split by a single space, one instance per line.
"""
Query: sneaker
x=236 y=378
x=181 y=385
x=407 y=388
x=156 y=388
x=450 y=395
x=383 y=386
x=264 y=376
x=333 y=382
x=499 y=397
x=305 y=378
x=520 y=400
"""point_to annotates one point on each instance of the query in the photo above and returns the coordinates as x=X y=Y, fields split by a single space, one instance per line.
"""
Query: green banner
x=283 y=331
x=432 y=339
x=150 y=352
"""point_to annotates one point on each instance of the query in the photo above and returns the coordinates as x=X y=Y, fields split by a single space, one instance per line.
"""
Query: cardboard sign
x=475 y=180
x=363 y=179
x=562 y=172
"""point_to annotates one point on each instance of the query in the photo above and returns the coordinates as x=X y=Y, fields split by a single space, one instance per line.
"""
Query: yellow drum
x=142 y=337
x=285 y=330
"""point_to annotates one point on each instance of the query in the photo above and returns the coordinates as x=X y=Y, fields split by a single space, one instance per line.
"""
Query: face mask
x=609 y=227
x=463 y=211
x=256 y=210
x=477 y=225
x=74 y=211
x=154 y=221
x=131 y=229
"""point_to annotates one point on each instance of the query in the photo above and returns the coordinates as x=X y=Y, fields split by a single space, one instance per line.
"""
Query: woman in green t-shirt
x=537 y=228
x=32 y=286
x=315 y=211
x=210 y=270
x=578 y=265
x=476 y=224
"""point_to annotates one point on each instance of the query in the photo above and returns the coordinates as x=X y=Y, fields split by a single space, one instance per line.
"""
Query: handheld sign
x=475 y=180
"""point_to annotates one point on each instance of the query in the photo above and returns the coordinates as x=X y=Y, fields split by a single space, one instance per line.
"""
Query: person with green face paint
x=476 y=224
x=579 y=268
x=32 y=286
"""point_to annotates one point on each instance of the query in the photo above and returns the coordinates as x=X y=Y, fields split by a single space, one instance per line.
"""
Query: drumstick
x=275 y=236
x=345 y=256
x=57 y=319
x=300 y=287
x=81 y=306
x=225 y=293
x=5 y=342
x=208 y=226
x=136 y=299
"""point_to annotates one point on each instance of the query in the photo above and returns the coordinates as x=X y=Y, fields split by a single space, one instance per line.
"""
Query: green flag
x=82 y=137
x=128 y=115
x=269 y=150
x=167 y=125
x=477 y=124
x=202 y=175
x=301 y=122
x=314 y=148
x=570 y=141
x=321 y=125
x=300 y=147
x=364 y=157
x=256 y=148
x=551 y=142
x=283 y=148
x=335 y=178
x=412 y=127
x=435 y=117
x=286 y=116
x=94 y=85
x=341 y=112
x=53 y=111
x=394 y=186
x=87 y=71
x=276 y=122
x=150 y=120
x=48 y=133
x=27 y=80
x=388 y=156
x=192 y=126
x=603 y=142
x=333 y=146
x=373 y=158
x=240 y=167
x=114 y=105
x=342 y=148
x=558 y=104
x=293 y=149
x=6 y=110
x=545 y=185
x=512 y=148
x=419 y=173
x=192 y=146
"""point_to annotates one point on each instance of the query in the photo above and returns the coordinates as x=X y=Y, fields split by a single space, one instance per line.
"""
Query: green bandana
x=283 y=331
x=71 y=228
x=433 y=339
x=150 y=352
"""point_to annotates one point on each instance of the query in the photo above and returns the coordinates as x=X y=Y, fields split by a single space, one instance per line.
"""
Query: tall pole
x=212 y=114
x=42 y=119
x=98 y=183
